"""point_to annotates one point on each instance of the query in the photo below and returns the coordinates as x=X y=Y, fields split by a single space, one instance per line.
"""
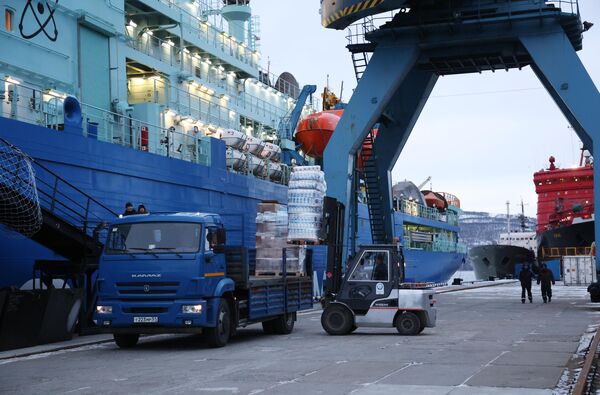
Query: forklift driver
x=380 y=272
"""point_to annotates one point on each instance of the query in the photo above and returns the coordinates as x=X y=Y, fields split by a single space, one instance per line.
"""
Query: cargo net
x=19 y=202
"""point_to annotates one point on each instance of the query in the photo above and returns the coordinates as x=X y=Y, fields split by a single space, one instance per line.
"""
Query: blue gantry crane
x=399 y=60
x=288 y=125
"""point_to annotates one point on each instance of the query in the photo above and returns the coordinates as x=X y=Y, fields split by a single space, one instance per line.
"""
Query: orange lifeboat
x=435 y=200
x=315 y=130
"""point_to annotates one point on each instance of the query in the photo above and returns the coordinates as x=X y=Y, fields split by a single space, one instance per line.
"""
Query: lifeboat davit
x=315 y=130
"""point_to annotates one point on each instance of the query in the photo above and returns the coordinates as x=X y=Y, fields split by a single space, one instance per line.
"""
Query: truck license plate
x=145 y=320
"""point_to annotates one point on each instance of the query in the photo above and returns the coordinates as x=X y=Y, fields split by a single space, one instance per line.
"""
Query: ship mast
x=508 y=220
x=522 y=216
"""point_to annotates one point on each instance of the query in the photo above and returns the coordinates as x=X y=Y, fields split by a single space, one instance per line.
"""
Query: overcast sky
x=480 y=136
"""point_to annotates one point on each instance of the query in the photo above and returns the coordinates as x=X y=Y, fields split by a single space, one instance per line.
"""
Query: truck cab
x=372 y=294
x=172 y=273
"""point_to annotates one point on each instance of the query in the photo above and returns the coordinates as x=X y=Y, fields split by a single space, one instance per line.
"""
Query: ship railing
x=557 y=252
x=436 y=246
x=45 y=108
x=211 y=29
x=190 y=146
x=418 y=210
x=230 y=88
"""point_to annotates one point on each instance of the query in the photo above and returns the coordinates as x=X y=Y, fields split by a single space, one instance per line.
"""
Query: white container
x=579 y=270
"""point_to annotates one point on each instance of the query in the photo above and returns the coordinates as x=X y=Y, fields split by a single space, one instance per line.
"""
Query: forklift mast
x=333 y=229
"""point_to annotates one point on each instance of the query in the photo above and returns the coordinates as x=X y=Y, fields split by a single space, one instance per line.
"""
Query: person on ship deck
x=129 y=209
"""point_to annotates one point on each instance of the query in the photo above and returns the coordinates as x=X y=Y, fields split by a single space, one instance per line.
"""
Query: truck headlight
x=104 y=309
x=191 y=309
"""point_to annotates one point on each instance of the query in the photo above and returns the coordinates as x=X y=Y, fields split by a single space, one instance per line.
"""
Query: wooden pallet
x=266 y=273
x=304 y=243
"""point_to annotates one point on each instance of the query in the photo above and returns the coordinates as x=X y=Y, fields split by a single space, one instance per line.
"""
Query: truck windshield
x=153 y=237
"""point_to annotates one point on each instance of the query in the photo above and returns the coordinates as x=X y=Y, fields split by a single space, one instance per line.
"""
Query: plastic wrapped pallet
x=271 y=239
x=305 y=203
x=269 y=261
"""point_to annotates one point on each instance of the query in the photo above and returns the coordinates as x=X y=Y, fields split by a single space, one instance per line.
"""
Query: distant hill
x=477 y=228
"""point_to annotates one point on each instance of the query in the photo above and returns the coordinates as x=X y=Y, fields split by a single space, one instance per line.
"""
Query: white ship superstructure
x=156 y=75
x=519 y=239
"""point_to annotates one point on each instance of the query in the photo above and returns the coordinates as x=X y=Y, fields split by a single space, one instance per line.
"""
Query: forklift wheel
x=337 y=320
x=408 y=324
x=126 y=340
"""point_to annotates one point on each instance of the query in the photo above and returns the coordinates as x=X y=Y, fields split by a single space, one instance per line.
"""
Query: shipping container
x=579 y=270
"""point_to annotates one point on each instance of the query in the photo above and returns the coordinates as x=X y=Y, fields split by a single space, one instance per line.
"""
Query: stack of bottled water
x=305 y=203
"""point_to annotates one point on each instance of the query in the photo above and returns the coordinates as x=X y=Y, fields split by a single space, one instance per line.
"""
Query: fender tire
x=337 y=320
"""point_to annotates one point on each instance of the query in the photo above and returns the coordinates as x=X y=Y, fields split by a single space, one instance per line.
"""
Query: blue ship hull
x=114 y=175
x=431 y=266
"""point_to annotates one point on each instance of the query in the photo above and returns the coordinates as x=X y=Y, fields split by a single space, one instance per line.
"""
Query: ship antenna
x=508 y=220
x=522 y=216
x=581 y=157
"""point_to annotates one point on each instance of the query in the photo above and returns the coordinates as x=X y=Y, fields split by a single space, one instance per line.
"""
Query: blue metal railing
x=418 y=210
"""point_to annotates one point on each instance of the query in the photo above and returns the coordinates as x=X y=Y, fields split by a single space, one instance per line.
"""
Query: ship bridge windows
x=9 y=16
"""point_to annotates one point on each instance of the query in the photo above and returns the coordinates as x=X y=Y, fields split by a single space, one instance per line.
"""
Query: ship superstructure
x=565 y=209
x=164 y=78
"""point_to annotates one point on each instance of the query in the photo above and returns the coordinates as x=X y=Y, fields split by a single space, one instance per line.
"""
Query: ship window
x=8 y=19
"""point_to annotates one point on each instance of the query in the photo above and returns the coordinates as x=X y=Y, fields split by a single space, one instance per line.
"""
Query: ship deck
x=486 y=342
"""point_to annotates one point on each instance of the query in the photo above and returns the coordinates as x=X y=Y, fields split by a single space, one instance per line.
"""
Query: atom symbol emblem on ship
x=44 y=9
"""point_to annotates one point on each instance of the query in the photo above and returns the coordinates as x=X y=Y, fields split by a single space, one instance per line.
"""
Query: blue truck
x=174 y=273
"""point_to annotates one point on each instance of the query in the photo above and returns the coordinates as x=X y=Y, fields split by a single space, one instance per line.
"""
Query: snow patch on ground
x=571 y=374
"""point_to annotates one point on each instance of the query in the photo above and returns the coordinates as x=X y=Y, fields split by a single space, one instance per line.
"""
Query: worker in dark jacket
x=129 y=210
x=526 y=277
x=380 y=271
x=546 y=278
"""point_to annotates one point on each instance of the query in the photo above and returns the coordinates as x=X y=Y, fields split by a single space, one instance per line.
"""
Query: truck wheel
x=268 y=327
x=126 y=340
x=219 y=335
x=408 y=324
x=284 y=324
x=337 y=320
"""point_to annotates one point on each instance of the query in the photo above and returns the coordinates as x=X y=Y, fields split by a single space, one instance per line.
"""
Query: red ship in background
x=565 y=210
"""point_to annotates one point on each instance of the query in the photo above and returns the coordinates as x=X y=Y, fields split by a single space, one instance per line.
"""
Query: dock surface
x=485 y=342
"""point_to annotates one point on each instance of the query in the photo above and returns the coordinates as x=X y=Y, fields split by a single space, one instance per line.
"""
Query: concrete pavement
x=486 y=342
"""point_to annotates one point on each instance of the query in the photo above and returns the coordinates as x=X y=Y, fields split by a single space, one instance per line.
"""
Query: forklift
x=371 y=291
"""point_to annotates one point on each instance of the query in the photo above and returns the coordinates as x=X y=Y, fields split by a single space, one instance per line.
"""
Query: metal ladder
x=374 y=194
x=360 y=49
x=360 y=60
